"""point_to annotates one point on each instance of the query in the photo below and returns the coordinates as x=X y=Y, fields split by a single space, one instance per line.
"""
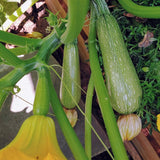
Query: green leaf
x=52 y=19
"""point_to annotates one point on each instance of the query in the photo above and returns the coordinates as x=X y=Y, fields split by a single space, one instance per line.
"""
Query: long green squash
x=121 y=78
x=70 y=91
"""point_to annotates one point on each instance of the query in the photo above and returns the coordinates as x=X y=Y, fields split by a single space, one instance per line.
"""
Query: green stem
x=11 y=38
x=49 y=45
x=42 y=99
x=22 y=50
x=88 y=113
x=9 y=56
x=10 y=79
x=102 y=7
x=77 y=10
x=103 y=96
x=141 y=11
x=68 y=132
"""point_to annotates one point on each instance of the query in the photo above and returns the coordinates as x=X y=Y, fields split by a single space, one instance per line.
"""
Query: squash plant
x=118 y=66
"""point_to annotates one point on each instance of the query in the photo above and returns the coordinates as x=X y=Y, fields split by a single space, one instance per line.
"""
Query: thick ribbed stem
x=88 y=113
x=9 y=56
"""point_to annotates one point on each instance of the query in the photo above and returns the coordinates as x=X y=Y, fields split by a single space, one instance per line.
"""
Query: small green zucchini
x=70 y=91
x=121 y=78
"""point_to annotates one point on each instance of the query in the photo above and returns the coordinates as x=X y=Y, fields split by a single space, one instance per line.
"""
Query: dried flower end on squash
x=129 y=126
x=72 y=116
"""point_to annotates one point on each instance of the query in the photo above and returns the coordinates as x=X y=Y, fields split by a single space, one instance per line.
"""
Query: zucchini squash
x=70 y=91
x=121 y=78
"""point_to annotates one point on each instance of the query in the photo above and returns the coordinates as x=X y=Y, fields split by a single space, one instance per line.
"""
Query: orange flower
x=36 y=140
x=158 y=122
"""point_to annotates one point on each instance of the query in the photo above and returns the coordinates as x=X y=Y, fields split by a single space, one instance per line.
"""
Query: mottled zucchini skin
x=121 y=77
x=70 y=76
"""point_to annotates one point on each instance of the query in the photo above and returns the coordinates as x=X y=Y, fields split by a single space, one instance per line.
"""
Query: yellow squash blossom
x=36 y=140
x=158 y=122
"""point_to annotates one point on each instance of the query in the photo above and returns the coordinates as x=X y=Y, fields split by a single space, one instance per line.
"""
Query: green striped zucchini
x=121 y=78
x=70 y=91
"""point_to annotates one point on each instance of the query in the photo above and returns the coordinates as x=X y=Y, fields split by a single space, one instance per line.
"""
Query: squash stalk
x=103 y=96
